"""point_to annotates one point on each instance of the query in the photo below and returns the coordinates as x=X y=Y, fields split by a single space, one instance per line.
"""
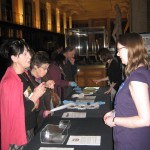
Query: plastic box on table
x=53 y=134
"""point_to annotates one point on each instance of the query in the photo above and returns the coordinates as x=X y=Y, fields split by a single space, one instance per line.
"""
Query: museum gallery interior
x=88 y=25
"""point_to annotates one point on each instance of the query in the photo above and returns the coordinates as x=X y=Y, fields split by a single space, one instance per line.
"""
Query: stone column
x=70 y=21
x=18 y=11
x=0 y=9
x=64 y=21
x=108 y=33
x=138 y=19
x=57 y=20
x=48 y=16
x=36 y=13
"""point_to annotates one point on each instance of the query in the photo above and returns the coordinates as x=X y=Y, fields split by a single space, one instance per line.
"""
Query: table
x=92 y=125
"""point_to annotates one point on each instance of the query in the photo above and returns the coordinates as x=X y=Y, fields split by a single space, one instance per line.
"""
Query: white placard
x=74 y=115
x=87 y=98
x=55 y=148
x=84 y=140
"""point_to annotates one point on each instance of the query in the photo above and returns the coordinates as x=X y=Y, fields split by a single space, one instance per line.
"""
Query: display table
x=92 y=125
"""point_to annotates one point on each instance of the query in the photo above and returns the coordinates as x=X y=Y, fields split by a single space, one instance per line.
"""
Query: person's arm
x=102 y=79
x=110 y=88
x=54 y=73
x=38 y=92
x=112 y=85
x=140 y=94
x=109 y=114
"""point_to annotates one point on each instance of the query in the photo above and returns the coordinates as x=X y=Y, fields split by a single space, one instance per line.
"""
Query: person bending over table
x=114 y=72
x=57 y=74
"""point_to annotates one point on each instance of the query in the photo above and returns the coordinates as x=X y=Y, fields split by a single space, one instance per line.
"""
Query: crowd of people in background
x=32 y=83
x=30 y=88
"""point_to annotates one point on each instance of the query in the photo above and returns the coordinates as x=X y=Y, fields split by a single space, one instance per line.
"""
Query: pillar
x=64 y=22
x=70 y=21
x=36 y=13
x=138 y=20
x=48 y=16
x=0 y=9
x=57 y=20
x=18 y=10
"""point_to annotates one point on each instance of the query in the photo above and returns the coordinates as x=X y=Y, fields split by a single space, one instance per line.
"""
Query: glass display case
x=86 y=40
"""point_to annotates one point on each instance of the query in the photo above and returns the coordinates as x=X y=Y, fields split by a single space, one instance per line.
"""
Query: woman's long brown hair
x=137 y=54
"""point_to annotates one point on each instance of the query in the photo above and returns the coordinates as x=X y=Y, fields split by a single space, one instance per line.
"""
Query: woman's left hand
x=109 y=121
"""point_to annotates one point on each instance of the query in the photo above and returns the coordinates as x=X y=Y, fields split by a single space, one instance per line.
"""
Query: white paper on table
x=89 y=93
x=87 y=98
x=55 y=148
x=92 y=88
x=74 y=115
x=62 y=107
x=84 y=100
x=84 y=140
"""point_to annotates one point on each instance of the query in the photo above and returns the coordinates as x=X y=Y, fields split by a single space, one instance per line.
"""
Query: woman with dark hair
x=114 y=73
x=17 y=98
x=131 y=116
x=57 y=74
x=38 y=69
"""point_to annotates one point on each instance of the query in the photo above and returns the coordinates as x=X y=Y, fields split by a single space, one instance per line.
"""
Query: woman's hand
x=109 y=114
x=50 y=84
x=108 y=118
x=108 y=91
x=110 y=121
x=38 y=92
x=46 y=113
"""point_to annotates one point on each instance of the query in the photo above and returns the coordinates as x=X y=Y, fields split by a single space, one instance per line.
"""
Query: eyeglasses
x=121 y=48
x=45 y=68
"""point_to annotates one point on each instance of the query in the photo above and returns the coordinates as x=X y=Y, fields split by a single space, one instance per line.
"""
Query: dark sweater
x=70 y=71
x=114 y=73
x=30 y=116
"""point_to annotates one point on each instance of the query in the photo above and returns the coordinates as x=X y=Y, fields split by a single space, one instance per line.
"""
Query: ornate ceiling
x=91 y=9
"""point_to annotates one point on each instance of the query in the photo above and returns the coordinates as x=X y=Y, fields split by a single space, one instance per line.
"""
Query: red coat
x=12 y=112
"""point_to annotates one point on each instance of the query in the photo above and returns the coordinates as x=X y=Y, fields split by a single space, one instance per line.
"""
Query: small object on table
x=65 y=123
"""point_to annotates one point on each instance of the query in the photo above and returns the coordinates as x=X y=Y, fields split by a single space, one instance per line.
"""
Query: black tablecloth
x=92 y=125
